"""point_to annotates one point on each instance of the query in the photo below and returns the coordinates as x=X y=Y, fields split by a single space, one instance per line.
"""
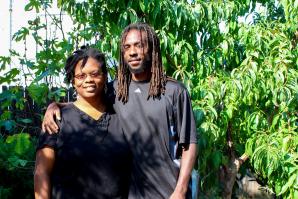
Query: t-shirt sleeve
x=51 y=140
x=47 y=140
x=186 y=126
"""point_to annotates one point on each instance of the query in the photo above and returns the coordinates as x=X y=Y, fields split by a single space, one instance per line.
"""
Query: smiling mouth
x=89 y=87
x=135 y=62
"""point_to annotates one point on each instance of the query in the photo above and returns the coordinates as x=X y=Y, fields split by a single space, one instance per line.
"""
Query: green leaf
x=22 y=162
x=199 y=54
x=9 y=76
x=19 y=142
x=4 y=61
x=216 y=159
x=213 y=111
x=21 y=34
x=275 y=121
x=225 y=47
x=8 y=124
x=38 y=92
x=295 y=195
x=289 y=183
x=29 y=7
x=230 y=109
x=210 y=12
x=26 y=120
x=133 y=16
x=15 y=162
x=59 y=3
x=42 y=75
x=142 y=6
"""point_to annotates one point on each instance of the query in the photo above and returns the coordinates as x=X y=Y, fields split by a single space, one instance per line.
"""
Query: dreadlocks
x=158 y=78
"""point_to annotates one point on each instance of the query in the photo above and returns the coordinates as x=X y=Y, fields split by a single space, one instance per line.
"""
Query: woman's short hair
x=83 y=54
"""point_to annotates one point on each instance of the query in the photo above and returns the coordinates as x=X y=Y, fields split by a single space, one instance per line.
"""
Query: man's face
x=135 y=51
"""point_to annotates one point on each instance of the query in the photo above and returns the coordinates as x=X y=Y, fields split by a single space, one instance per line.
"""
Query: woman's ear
x=106 y=77
x=105 y=88
x=73 y=84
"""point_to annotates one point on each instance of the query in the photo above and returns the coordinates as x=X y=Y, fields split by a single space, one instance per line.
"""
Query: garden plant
x=238 y=59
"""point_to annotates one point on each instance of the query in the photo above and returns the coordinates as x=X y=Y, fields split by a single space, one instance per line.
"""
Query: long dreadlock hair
x=158 y=78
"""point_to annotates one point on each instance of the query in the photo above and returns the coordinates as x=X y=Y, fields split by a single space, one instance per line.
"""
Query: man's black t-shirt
x=93 y=160
x=154 y=128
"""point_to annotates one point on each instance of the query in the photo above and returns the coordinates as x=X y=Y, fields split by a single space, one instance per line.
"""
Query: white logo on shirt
x=138 y=90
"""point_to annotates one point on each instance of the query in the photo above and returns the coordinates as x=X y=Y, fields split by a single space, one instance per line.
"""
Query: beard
x=146 y=64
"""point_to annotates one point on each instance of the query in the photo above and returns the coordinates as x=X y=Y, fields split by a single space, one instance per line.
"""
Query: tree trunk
x=228 y=175
x=229 y=172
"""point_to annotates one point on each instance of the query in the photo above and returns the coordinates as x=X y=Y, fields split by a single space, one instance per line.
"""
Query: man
x=156 y=114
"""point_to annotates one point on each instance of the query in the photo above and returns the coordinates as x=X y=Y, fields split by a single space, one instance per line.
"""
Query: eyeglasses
x=93 y=75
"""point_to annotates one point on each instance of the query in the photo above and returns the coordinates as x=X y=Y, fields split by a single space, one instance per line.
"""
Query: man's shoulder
x=113 y=83
x=173 y=85
x=111 y=93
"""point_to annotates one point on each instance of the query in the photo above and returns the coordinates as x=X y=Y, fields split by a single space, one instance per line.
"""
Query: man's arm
x=53 y=111
x=188 y=158
x=45 y=159
x=187 y=133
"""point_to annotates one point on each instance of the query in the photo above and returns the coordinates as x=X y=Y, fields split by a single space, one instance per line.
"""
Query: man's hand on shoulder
x=48 y=124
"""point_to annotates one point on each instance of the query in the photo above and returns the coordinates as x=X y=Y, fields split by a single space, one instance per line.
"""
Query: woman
x=89 y=157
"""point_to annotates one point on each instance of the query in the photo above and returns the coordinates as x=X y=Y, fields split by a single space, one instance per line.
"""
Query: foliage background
x=242 y=79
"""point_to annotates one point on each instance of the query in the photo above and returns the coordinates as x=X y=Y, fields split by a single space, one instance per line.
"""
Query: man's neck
x=143 y=76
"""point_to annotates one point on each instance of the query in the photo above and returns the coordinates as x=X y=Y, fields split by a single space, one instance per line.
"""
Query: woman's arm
x=45 y=159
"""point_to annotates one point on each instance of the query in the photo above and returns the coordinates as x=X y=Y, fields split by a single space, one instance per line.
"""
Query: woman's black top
x=92 y=160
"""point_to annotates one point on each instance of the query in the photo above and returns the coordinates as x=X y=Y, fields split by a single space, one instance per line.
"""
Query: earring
x=74 y=94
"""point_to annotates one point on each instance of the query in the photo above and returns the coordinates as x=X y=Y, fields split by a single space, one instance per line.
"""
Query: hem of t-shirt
x=188 y=142
x=45 y=146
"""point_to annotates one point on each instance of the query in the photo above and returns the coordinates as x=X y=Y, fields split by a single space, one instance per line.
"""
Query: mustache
x=130 y=60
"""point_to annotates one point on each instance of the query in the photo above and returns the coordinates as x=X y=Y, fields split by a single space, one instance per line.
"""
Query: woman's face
x=89 y=81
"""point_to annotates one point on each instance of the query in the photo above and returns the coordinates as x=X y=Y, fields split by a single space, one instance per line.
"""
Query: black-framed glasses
x=93 y=75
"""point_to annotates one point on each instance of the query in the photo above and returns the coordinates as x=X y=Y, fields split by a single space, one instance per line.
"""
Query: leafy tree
x=242 y=76
x=16 y=166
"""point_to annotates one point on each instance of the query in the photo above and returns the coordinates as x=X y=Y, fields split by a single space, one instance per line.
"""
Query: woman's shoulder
x=68 y=107
x=68 y=111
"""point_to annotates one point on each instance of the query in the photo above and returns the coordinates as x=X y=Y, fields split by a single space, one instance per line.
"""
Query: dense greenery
x=16 y=166
x=242 y=77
